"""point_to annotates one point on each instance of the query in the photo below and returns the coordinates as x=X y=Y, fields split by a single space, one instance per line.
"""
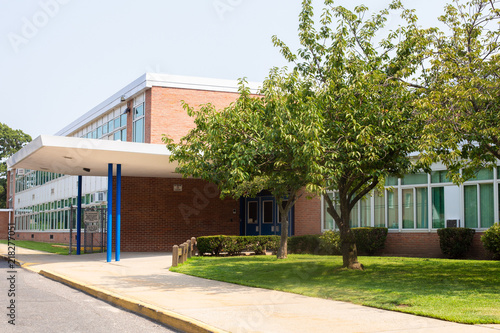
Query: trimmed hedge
x=491 y=240
x=455 y=242
x=369 y=240
x=234 y=245
x=304 y=244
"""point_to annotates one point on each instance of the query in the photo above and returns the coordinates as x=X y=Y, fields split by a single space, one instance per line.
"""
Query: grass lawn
x=464 y=291
x=47 y=247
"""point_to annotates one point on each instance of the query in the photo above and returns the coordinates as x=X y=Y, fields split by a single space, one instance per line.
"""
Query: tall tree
x=10 y=141
x=359 y=81
x=463 y=87
x=266 y=142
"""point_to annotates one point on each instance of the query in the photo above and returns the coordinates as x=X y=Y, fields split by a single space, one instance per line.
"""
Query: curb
x=155 y=313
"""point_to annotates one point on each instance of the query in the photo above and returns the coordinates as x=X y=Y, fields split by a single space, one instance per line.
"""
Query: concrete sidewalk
x=141 y=282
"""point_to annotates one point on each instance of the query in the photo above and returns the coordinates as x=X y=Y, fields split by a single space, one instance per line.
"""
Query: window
x=267 y=211
x=416 y=178
x=379 y=209
x=478 y=204
x=392 y=209
x=138 y=123
x=438 y=207
x=439 y=177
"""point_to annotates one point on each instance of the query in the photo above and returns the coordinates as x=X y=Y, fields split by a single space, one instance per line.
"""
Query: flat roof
x=147 y=81
x=90 y=157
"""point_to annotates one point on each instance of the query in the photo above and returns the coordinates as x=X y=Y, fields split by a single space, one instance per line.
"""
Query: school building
x=122 y=137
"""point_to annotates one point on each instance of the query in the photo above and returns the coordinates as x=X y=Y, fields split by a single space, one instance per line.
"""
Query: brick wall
x=426 y=245
x=308 y=215
x=167 y=116
x=55 y=237
x=4 y=223
x=155 y=217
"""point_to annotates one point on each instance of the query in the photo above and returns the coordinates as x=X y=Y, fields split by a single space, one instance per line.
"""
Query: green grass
x=464 y=291
x=47 y=247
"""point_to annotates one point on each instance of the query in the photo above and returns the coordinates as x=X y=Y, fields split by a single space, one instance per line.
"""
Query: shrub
x=369 y=240
x=234 y=245
x=491 y=240
x=455 y=242
x=329 y=242
x=304 y=244
x=210 y=244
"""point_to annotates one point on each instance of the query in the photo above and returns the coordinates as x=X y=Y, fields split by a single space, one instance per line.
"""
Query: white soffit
x=70 y=156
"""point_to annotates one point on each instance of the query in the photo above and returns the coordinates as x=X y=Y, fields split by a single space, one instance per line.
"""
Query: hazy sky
x=60 y=58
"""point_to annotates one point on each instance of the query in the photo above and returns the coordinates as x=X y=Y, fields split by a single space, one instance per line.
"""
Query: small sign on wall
x=177 y=187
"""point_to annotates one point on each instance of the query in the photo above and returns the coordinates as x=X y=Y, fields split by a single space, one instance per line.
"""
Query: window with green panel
x=483 y=174
x=413 y=179
x=392 y=210
x=391 y=181
x=437 y=194
x=439 y=177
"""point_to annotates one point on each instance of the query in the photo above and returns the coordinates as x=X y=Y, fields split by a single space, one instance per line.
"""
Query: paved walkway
x=141 y=282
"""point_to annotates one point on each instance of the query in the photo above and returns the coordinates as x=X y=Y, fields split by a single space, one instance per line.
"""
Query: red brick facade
x=5 y=217
x=308 y=215
x=165 y=114
x=155 y=217
x=426 y=245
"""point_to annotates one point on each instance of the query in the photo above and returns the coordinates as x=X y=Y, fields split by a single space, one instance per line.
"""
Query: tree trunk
x=348 y=243
x=283 y=250
x=349 y=250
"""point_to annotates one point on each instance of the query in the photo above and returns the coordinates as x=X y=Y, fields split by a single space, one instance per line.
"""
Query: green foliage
x=357 y=82
x=462 y=88
x=266 y=142
x=10 y=142
x=210 y=244
x=234 y=245
x=330 y=242
x=370 y=240
x=491 y=240
x=304 y=244
x=455 y=242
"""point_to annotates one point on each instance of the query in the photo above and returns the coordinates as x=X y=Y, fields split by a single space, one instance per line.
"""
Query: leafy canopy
x=463 y=88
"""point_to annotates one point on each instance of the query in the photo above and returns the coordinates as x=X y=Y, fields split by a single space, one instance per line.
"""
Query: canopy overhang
x=90 y=157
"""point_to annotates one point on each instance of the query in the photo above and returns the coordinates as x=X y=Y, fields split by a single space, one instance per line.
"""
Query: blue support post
x=118 y=209
x=79 y=216
x=109 y=231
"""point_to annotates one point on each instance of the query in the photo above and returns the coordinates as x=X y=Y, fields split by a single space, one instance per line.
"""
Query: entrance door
x=262 y=217
x=252 y=217
x=268 y=215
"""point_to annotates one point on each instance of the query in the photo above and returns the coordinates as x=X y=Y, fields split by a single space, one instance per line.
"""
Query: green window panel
x=413 y=179
x=437 y=207
x=470 y=206
x=486 y=205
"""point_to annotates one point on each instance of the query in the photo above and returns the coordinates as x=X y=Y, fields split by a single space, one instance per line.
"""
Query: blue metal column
x=110 y=213
x=79 y=216
x=118 y=209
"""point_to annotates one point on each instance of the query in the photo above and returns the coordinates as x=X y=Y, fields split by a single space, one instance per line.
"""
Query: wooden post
x=193 y=246
x=185 y=252
x=175 y=255
x=189 y=248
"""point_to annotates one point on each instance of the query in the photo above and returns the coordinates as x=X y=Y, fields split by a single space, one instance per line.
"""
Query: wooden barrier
x=181 y=253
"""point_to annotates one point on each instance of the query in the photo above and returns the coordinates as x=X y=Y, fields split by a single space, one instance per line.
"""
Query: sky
x=61 y=58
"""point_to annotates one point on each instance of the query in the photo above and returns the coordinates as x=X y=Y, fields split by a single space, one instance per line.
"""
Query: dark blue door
x=252 y=225
x=262 y=217
x=268 y=215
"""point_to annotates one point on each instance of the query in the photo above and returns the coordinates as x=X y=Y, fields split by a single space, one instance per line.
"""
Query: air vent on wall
x=452 y=223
